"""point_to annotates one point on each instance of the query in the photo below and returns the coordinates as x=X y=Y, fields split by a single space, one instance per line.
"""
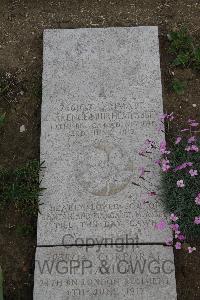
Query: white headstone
x=102 y=98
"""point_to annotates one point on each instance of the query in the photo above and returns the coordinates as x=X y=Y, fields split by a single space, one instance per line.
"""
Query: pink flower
x=180 y=183
x=177 y=232
x=169 y=241
x=192 y=148
x=173 y=217
x=161 y=225
x=175 y=227
x=165 y=165
x=165 y=168
x=189 y=164
x=178 y=139
x=191 y=140
x=178 y=245
x=158 y=162
x=191 y=121
x=178 y=168
x=141 y=171
x=191 y=249
x=193 y=172
x=194 y=124
x=197 y=199
x=188 y=148
x=170 y=117
x=163 y=147
x=197 y=220
x=185 y=129
x=163 y=117
x=183 y=166
x=181 y=237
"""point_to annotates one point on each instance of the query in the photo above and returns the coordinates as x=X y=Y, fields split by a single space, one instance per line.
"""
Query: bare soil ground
x=22 y=24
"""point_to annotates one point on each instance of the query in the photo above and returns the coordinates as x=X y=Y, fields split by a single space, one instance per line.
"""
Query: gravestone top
x=102 y=97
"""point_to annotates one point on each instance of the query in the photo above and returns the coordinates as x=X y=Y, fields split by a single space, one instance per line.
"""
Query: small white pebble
x=8 y=75
x=22 y=128
x=194 y=105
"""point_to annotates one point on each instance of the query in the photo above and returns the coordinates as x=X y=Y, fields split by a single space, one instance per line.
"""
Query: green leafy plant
x=21 y=187
x=181 y=201
x=178 y=86
x=197 y=58
x=180 y=41
x=178 y=160
x=1 y=284
x=186 y=52
x=183 y=58
x=181 y=44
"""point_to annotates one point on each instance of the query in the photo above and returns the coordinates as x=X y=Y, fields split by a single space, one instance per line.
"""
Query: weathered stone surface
x=101 y=99
x=128 y=273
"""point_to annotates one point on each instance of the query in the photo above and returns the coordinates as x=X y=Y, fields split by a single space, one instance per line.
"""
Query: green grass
x=185 y=50
x=197 y=59
x=182 y=200
x=180 y=41
x=178 y=86
x=21 y=187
